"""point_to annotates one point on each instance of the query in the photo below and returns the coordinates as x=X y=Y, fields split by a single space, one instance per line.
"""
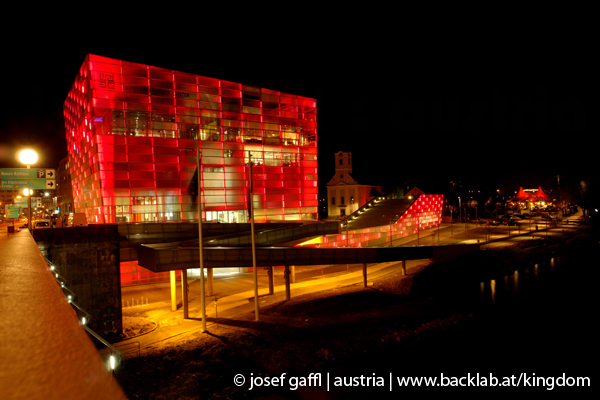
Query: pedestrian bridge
x=177 y=256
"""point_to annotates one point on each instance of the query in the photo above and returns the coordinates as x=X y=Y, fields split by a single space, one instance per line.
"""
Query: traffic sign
x=12 y=211
x=23 y=202
x=27 y=173
x=27 y=184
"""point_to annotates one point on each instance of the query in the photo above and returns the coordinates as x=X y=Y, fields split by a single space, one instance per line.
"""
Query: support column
x=292 y=273
x=364 y=268
x=173 y=292
x=184 y=293
x=271 y=278
x=209 y=277
x=403 y=267
x=286 y=275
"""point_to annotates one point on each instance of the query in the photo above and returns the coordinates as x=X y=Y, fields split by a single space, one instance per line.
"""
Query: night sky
x=501 y=114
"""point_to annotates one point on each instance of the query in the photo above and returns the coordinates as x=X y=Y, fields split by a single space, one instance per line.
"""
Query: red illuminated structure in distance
x=424 y=213
x=133 y=132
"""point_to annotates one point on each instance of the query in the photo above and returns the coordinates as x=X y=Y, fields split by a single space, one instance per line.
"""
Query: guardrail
x=45 y=351
x=278 y=235
x=344 y=221
x=115 y=355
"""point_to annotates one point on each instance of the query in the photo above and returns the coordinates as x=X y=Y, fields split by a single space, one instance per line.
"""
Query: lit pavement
x=235 y=294
x=45 y=352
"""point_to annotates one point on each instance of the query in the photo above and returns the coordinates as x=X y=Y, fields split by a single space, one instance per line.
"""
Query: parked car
x=44 y=224
x=511 y=221
x=74 y=219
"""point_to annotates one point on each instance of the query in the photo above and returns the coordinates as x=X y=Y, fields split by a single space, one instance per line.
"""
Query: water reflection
x=522 y=282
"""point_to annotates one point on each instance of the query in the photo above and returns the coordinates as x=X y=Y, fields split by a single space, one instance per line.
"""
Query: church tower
x=343 y=169
x=344 y=194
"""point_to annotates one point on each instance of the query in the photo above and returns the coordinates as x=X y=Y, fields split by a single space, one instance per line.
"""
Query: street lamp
x=28 y=193
x=28 y=157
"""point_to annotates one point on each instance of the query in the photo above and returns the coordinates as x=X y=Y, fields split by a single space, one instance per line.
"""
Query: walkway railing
x=344 y=221
x=115 y=356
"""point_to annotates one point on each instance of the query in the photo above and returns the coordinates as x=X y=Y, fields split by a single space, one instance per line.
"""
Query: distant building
x=414 y=192
x=7 y=196
x=64 y=189
x=344 y=194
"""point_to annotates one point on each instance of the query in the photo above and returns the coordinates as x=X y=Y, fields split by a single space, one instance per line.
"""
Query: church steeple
x=343 y=162
x=343 y=168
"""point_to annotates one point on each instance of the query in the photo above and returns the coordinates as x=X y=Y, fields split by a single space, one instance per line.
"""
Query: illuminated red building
x=133 y=132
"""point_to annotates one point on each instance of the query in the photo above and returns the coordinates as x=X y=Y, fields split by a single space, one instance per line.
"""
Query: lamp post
x=200 y=246
x=28 y=157
x=28 y=192
x=255 y=271
x=391 y=233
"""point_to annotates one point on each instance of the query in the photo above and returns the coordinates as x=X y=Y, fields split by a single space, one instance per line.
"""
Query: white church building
x=344 y=194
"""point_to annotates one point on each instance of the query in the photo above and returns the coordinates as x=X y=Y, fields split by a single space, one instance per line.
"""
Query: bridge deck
x=46 y=354
x=170 y=256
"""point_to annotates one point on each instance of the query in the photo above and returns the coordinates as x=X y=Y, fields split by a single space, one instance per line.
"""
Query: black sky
x=502 y=114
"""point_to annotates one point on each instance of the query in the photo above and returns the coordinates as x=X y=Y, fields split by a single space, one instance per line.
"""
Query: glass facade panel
x=133 y=130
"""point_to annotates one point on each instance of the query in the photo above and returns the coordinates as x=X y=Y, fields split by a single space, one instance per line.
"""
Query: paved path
x=44 y=351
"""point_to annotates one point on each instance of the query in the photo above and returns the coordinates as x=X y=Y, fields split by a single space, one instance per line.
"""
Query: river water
x=541 y=319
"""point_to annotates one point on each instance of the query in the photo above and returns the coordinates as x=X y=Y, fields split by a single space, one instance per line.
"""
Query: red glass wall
x=133 y=274
x=424 y=213
x=133 y=132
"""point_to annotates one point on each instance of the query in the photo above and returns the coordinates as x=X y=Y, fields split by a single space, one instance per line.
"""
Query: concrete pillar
x=286 y=275
x=173 y=292
x=403 y=267
x=292 y=273
x=364 y=268
x=184 y=293
x=209 y=276
x=88 y=259
x=271 y=278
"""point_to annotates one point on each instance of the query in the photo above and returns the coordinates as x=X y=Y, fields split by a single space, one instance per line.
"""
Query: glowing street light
x=28 y=157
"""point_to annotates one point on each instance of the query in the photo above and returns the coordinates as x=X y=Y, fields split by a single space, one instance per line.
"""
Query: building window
x=342 y=200
x=341 y=161
x=351 y=199
x=333 y=200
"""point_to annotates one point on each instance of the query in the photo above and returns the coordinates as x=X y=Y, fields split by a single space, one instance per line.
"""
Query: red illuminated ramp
x=387 y=220
x=382 y=212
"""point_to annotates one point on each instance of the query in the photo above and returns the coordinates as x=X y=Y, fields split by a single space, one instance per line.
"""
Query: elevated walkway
x=173 y=257
x=46 y=353
x=134 y=235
